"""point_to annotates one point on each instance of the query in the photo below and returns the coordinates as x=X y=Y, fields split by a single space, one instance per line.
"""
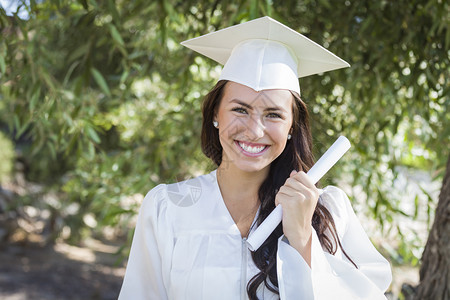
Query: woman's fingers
x=298 y=187
x=291 y=192
x=303 y=178
x=301 y=182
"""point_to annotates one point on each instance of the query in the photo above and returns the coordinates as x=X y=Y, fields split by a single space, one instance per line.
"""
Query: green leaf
x=100 y=81
x=84 y=3
x=269 y=5
x=90 y=151
x=447 y=39
x=416 y=206
x=253 y=9
x=72 y=143
x=16 y=122
x=23 y=129
x=116 y=35
x=325 y=3
x=124 y=76
x=78 y=52
x=2 y=64
x=113 y=10
x=46 y=77
x=93 y=134
x=52 y=149
x=429 y=205
x=34 y=99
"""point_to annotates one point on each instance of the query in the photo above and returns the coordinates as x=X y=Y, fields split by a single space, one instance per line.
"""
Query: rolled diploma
x=320 y=168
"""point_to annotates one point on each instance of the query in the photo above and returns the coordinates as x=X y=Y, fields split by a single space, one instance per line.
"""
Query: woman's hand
x=298 y=197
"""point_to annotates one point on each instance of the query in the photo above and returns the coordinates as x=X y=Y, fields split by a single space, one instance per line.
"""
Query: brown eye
x=239 y=110
x=274 y=115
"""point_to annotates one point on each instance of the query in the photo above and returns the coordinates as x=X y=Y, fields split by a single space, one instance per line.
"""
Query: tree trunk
x=435 y=269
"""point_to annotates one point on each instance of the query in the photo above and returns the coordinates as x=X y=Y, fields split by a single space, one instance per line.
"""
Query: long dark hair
x=296 y=155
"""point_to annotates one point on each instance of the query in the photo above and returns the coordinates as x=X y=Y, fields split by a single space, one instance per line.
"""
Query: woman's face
x=253 y=126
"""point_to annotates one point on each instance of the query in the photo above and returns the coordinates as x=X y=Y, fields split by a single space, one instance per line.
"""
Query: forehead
x=264 y=99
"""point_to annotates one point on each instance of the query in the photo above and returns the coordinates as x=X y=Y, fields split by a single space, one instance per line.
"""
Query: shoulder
x=155 y=199
x=334 y=199
x=338 y=204
x=180 y=194
x=188 y=192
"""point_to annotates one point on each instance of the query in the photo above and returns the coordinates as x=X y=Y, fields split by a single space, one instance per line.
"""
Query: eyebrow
x=275 y=108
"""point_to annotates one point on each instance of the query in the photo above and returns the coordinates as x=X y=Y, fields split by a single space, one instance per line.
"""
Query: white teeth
x=251 y=149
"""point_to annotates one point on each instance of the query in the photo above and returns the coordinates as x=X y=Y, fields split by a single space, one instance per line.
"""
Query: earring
x=216 y=124
x=289 y=136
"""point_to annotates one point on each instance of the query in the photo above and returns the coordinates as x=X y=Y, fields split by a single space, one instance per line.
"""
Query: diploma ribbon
x=320 y=168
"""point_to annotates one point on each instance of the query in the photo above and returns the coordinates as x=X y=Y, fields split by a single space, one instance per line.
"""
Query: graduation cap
x=265 y=54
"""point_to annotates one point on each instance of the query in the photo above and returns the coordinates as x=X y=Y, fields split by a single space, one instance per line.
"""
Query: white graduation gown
x=187 y=246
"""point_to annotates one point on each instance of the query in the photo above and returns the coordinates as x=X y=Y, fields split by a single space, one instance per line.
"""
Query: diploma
x=320 y=168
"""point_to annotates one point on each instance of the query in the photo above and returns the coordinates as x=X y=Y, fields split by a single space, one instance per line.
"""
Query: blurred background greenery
x=99 y=103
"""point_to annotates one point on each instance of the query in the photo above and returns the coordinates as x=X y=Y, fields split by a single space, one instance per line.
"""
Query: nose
x=255 y=128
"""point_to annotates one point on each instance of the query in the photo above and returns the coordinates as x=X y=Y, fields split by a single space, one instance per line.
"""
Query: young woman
x=190 y=239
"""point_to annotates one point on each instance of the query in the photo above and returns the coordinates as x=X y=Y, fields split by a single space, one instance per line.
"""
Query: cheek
x=278 y=133
x=230 y=125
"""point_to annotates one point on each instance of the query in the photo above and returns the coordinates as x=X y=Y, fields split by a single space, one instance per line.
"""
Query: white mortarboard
x=265 y=54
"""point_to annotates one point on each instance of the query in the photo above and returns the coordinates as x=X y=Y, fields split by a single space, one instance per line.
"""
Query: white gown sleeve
x=333 y=276
x=150 y=251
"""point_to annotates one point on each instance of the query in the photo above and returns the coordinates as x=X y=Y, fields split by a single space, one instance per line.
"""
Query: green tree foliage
x=105 y=102
x=6 y=157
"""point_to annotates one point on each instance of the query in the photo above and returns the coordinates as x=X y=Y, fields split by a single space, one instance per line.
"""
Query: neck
x=238 y=184
x=239 y=191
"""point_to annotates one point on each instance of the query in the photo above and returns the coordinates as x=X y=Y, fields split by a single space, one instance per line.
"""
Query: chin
x=251 y=167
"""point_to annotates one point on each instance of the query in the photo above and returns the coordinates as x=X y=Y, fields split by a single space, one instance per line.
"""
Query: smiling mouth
x=252 y=149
